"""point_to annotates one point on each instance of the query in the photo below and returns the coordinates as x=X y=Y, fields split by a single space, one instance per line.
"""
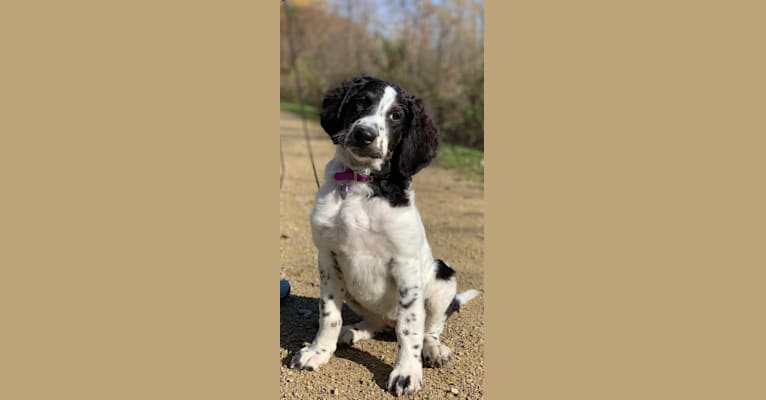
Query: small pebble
x=454 y=391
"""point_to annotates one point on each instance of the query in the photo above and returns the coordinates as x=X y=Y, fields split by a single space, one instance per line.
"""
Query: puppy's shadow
x=299 y=322
x=380 y=370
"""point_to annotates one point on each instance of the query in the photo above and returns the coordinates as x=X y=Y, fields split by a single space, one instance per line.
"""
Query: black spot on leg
x=405 y=332
x=409 y=303
x=330 y=297
x=325 y=314
x=403 y=292
x=406 y=382
x=453 y=306
x=335 y=263
x=443 y=271
x=415 y=347
x=391 y=263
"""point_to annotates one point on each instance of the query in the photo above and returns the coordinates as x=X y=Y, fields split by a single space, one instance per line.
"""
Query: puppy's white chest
x=352 y=226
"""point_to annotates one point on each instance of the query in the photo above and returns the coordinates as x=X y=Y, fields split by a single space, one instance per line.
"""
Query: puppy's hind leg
x=363 y=330
x=443 y=301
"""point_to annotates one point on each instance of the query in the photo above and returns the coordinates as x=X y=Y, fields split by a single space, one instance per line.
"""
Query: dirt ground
x=452 y=209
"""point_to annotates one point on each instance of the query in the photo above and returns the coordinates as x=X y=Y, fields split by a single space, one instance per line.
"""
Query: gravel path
x=452 y=209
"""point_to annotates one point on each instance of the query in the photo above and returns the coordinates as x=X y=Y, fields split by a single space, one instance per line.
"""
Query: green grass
x=294 y=107
x=465 y=160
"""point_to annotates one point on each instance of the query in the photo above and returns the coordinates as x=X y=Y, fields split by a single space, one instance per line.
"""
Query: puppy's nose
x=363 y=135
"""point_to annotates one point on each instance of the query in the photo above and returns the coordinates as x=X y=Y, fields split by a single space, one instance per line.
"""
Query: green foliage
x=311 y=112
x=467 y=161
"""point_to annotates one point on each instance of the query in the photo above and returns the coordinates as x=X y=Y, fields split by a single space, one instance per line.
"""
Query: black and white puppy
x=373 y=252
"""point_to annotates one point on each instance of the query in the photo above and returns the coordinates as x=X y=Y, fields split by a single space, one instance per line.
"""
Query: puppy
x=373 y=252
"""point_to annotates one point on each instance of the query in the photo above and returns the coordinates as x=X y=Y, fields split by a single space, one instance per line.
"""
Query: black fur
x=413 y=143
x=453 y=306
x=419 y=143
x=391 y=185
x=402 y=384
x=443 y=271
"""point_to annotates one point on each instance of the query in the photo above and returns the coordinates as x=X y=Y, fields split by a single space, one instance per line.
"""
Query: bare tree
x=432 y=48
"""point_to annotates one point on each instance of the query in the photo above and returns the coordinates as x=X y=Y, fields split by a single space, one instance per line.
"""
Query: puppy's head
x=374 y=121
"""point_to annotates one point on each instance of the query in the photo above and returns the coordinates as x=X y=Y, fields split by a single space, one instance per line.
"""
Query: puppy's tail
x=460 y=299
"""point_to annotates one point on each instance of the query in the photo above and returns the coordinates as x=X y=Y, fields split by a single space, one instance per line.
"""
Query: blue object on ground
x=284 y=288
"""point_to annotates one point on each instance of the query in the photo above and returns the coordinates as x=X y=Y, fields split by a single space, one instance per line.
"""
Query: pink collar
x=351 y=175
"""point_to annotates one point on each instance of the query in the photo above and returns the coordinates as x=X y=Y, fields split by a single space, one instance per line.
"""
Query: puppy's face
x=373 y=121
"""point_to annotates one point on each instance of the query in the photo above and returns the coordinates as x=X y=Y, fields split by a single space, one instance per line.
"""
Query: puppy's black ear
x=335 y=100
x=420 y=140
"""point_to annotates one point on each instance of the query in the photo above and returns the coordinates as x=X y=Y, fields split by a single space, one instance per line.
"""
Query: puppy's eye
x=395 y=116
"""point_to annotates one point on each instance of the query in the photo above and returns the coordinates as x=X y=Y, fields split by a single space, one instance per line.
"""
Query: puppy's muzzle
x=361 y=136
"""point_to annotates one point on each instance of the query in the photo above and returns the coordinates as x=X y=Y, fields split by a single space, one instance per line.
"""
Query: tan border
x=625 y=200
x=139 y=145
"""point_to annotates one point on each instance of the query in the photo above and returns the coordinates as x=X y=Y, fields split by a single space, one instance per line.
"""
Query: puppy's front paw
x=310 y=358
x=405 y=380
x=436 y=355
